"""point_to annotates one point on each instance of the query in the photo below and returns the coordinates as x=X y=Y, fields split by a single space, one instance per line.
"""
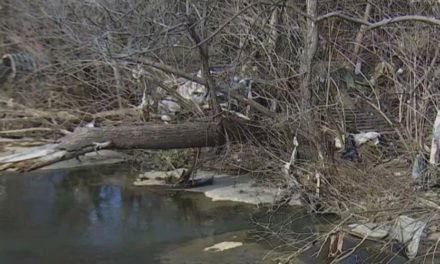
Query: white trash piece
x=359 y=139
x=368 y=230
x=408 y=231
x=362 y=138
x=222 y=246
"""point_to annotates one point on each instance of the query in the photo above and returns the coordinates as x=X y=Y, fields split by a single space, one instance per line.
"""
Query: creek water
x=96 y=215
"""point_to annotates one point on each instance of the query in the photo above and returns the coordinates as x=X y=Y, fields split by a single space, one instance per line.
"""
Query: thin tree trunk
x=359 y=38
x=310 y=47
x=273 y=37
x=118 y=83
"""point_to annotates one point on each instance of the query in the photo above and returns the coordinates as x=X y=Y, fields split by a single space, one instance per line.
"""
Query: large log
x=147 y=136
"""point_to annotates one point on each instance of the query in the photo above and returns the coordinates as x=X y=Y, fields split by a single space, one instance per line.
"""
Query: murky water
x=96 y=216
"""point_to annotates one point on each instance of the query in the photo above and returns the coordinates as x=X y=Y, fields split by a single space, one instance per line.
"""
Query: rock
x=369 y=230
x=408 y=231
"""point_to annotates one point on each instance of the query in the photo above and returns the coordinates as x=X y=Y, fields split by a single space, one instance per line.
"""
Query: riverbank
x=225 y=187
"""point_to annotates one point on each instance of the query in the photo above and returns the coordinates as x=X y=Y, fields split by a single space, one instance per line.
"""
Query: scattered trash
x=419 y=167
x=368 y=230
x=168 y=107
x=362 y=138
x=17 y=65
x=90 y=124
x=398 y=247
x=336 y=244
x=222 y=246
x=350 y=150
x=408 y=231
x=338 y=143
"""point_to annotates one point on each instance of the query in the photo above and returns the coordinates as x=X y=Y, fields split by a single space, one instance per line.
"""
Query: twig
x=215 y=33
x=35 y=129
x=204 y=56
x=169 y=69
x=384 y=22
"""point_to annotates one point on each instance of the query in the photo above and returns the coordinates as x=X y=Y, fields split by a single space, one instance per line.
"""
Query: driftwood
x=147 y=136
x=16 y=116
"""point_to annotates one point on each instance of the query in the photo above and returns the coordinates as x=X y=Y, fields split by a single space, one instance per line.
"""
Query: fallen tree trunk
x=148 y=136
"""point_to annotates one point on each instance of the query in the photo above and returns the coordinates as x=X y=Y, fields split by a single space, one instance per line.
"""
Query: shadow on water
x=97 y=216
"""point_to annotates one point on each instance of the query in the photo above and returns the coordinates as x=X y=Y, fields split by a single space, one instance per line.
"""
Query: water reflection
x=80 y=213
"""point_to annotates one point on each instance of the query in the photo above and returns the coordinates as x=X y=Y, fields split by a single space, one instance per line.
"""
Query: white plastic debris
x=408 y=231
x=419 y=167
x=435 y=145
x=168 y=108
x=368 y=230
x=338 y=143
x=193 y=91
x=222 y=246
x=362 y=138
x=91 y=124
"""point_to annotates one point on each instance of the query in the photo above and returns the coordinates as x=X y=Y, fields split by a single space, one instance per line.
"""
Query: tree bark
x=310 y=47
x=149 y=136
